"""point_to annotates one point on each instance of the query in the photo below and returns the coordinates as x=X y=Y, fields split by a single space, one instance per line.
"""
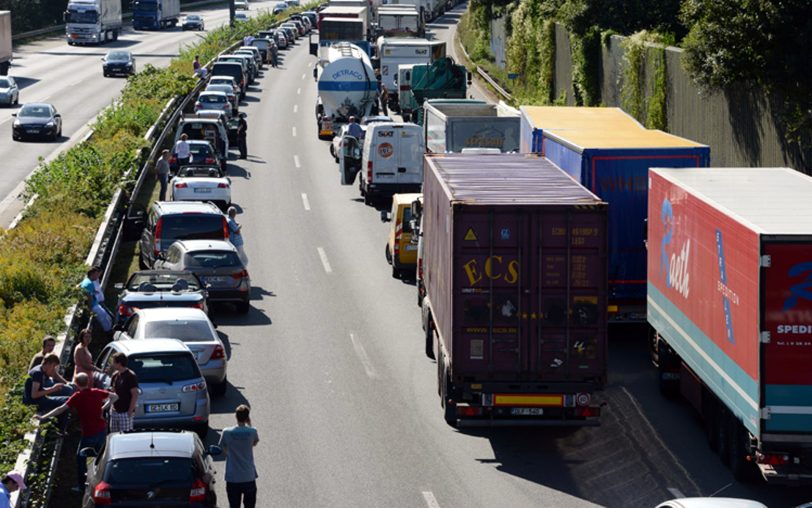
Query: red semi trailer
x=515 y=270
x=730 y=300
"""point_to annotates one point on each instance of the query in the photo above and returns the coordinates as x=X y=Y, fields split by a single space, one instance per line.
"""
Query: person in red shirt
x=90 y=404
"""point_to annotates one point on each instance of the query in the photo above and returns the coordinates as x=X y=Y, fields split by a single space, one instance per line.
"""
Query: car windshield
x=192 y=18
x=35 y=111
x=146 y=470
x=118 y=56
x=211 y=99
x=198 y=171
x=165 y=368
x=221 y=81
x=162 y=281
x=181 y=329
x=212 y=259
x=199 y=149
x=4 y=83
x=192 y=227
x=220 y=88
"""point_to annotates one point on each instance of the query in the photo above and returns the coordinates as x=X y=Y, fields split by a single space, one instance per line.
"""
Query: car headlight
x=16 y=123
x=50 y=124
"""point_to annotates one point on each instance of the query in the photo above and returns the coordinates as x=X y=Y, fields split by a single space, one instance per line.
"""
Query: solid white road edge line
x=431 y=501
x=296 y=161
x=324 y=261
x=362 y=355
x=305 y=202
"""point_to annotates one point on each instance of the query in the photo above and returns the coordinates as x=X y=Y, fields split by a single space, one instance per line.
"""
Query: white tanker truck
x=347 y=87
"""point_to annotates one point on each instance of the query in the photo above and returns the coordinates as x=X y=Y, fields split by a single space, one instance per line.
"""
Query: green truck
x=442 y=79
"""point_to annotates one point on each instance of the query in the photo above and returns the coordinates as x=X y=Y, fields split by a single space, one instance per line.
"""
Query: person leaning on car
x=125 y=385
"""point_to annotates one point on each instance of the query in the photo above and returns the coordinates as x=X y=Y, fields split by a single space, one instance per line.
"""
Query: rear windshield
x=211 y=99
x=145 y=470
x=164 y=368
x=181 y=329
x=196 y=226
x=234 y=70
x=162 y=281
x=199 y=149
x=212 y=259
x=199 y=130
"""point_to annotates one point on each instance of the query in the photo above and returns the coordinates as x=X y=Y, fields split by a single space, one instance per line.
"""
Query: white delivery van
x=392 y=160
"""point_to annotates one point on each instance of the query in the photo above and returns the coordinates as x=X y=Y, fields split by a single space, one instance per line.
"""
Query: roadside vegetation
x=756 y=45
x=42 y=259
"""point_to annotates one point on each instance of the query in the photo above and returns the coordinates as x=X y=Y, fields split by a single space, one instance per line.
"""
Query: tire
x=115 y=35
x=243 y=307
x=388 y=254
x=743 y=470
x=669 y=388
x=202 y=430
x=429 y=339
x=449 y=408
x=396 y=274
x=723 y=433
x=710 y=419
x=219 y=389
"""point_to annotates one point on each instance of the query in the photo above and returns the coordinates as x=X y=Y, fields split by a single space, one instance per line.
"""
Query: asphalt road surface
x=331 y=360
x=70 y=77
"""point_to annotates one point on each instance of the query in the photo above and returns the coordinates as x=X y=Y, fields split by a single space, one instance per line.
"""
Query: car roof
x=169 y=273
x=165 y=313
x=212 y=92
x=187 y=207
x=198 y=142
x=193 y=245
x=135 y=347
x=222 y=76
x=151 y=444
x=37 y=104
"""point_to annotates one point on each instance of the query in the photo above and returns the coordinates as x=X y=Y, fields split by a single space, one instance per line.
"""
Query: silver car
x=230 y=93
x=213 y=100
x=190 y=326
x=171 y=390
x=9 y=91
x=217 y=264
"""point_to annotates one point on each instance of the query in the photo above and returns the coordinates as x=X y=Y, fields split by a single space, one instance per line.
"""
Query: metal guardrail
x=484 y=74
x=125 y=16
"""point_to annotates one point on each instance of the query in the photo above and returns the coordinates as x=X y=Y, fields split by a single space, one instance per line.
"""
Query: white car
x=213 y=100
x=225 y=80
x=201 y=183
x=241 y=5
x=710 y=502
x=228 y=90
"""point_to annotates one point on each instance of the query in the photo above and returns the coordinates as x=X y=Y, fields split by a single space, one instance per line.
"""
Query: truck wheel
x=666 y=361
x=723 y=433
x=115 y=35
x=449 y=408
x=4 y=68
x=710 y=419
x=429 y=339
x=743 y=470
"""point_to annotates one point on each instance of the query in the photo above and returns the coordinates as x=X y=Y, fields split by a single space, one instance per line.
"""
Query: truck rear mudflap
x=527 y=410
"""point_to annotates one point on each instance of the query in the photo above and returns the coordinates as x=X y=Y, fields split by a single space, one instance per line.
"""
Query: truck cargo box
x=610 y=153
x=450 y=125
x=5 y=42
x=515 y=271
x=730 y=290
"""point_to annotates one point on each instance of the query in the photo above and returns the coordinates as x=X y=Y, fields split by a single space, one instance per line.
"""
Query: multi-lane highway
x=70 y=77
x=331 y=360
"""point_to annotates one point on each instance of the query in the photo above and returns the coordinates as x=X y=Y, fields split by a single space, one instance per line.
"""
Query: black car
x=193 y=22
x=160 y=469
x=37 y=120
x=148 y=289
x=118 y=63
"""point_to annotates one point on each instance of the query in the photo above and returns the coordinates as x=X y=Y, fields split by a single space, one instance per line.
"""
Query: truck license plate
x=163 y=408
x=527 y=411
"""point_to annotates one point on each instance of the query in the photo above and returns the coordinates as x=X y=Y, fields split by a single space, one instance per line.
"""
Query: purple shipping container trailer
x=515 y=267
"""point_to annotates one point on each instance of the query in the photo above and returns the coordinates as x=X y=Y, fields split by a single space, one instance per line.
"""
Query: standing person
x=162 y=172
x=384 y=93
x=238 y=443
x=83 y=358
x=247 y=40
x=103 y=316
x=235 y=235
x=125 y=385
x=242 y=136
x=182 y=150
x=90 y=404
x=48 y=345
x=196 y=64
x=274 y=54
x=354 y=129
x=11 y=482
x=45 y=386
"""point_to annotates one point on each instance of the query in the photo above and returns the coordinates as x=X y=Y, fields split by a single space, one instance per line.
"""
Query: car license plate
x=410 y=247
x=202 y=190
x=163 y=408
x=33 y=131
x=215 y=279
x=527 y=411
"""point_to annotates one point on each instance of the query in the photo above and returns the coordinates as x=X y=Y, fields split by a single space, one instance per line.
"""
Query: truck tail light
x=219 y=353
x=102 y=495
x=587 y=412
x=198 y=492
x=469 y=411
x=369 y=171
x=772 y=459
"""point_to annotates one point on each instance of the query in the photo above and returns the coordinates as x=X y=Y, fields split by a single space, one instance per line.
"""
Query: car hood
x=4 y=90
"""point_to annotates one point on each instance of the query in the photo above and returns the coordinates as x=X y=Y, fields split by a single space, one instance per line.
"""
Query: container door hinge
x=766 y=261
x=765 y=413
x=765 y=337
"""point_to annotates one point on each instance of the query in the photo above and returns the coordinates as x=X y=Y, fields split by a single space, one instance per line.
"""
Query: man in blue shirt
x=355 y=130
x=12 y=482
x=103 y=316
x=238 y=443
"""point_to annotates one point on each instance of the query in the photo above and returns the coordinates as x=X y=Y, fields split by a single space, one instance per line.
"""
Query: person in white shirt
x=182 y=150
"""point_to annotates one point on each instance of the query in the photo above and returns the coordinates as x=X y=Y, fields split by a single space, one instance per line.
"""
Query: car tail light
x=227 y=106
x=173 y=160
x=180 y=185
x=210 y=160
x=102 y=495
x=219 y=353
x=369 y=171
x=194 y=387
x=125 y=310
x=199 y=305
x=240 y=275
x=222 y=186
x=198 y=492
x=197 y=106
x=156 y=240
x=225 y=229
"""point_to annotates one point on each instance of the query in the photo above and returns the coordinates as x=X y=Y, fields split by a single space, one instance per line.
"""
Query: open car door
x=349 y=159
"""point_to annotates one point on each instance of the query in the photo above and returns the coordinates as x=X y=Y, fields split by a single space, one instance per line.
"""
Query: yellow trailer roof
x=573 y=117
x=620 y=138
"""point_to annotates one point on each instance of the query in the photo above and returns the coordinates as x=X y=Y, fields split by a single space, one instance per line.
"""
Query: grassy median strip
x=42 y=259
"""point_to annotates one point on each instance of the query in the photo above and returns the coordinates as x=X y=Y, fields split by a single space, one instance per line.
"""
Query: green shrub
x=657 y=103
x=586 y=58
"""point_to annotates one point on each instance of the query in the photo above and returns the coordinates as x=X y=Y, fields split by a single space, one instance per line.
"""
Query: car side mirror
x=14 y=114
x=215 y=450
x=384 y=216
x=119 y=286
x=57 y=115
